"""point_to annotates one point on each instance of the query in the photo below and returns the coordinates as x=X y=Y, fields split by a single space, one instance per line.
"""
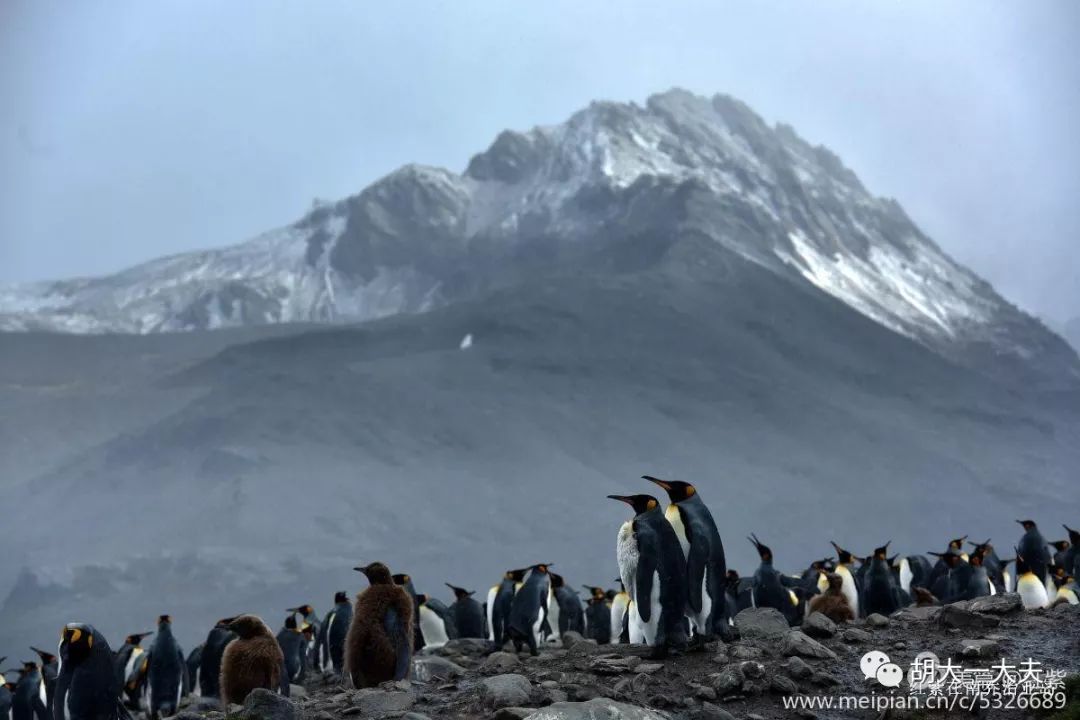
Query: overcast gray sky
x=131 y=129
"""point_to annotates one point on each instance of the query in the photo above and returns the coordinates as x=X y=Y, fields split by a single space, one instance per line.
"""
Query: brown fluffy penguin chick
x=832 y=603
x=924 y=598
x=379 y=644
x=253 y=660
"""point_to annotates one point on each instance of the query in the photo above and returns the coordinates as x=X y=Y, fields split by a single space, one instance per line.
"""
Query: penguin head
x=1074 y=535
x=76 y=642
x=290 y=622
x=1062 y=579
x=460 y=593
x=248 y=626
x=957 y=543
x=378 y=574
x=1059 y=545
x=950 y=558
x=541 y=568
x=401 y=579
x=764 y=552
x=557 y=581
x=595 y=593
x=732 y=578
x=983 y=548
x=842 y=555
x=47 y=658
x=1058 y=572
x=304 y=610
x=882 y=552
x=307 y=630
x=975 y=559
x=224 y=622
x=640 y=503
x=340 y=596
x=1028 y=525
x=137 y=638
x=29 y=666
x=164 y=620
x=835 y=581
x=421 y=599
x=677 y=490
x=516 y=575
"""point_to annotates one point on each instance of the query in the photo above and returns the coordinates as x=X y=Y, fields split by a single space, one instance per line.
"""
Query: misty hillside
x=676 y=289
x=209 y=473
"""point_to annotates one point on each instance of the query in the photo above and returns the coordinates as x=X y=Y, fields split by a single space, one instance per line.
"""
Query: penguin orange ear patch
x=89 y=641
x=651 y=504
x=690 y=490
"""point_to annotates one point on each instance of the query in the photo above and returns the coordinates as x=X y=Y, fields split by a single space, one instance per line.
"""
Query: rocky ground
x=745 y=678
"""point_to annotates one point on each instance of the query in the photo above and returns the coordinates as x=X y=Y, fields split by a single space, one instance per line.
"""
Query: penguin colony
x=675 y=594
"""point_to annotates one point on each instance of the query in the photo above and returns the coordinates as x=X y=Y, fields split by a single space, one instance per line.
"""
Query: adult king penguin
x=166 y=674
x=653 y=570
x=769 y=589
x=292 y=644
x=335 y=628
x=1035 y=551
x=311 y=619
x=467 y=613
x=1029 y=585
x=500 y=604
x=529 y=609
x=126 y=659
x=598 y=616
x=706 y=566
x=49 y=672
x=28 y=703
x=844 y=563
x=86 y=686
x=882 y=593
x=379 y=644
x=210 y=663
x=620 y=619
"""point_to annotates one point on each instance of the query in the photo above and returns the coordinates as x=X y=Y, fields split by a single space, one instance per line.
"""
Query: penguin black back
x=467 y=614
x=530 y=607
x=504 y=601
x=26 y=703
x=336 y=629
x=882 y=593
x=166 y=675
x=210 y=661
x=571 y=616
x=86 y=686
x=292 y=647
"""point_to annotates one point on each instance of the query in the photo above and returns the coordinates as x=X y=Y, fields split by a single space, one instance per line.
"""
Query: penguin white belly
x=179 y=687
x=130 y=667
x=626 y=553
x=433 y=628
x=619 y=607
x=537 y=625
x=906 y=576
x=848 y=589
x=674 y=518
x=1067 y=594
x=1032 y=591
x=42 y=696
x=648 y=629
x=1051 y=588
x=993 y=590
x=700 y=620
x=637 y=636
x=491 y=611
x=553 y=615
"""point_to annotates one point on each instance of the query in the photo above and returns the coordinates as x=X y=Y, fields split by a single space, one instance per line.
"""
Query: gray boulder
x=432 y=667
x=799 y=643
x=371 y=701
x=505 y=690
x=499 y=662
x=761 y=623
x=262 y=704
x=819 y=626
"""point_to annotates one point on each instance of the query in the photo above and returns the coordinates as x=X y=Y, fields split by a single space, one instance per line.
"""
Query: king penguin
x=311 y=632
x=706 y=565
x=620 y=605
x=653 y=570
x=499 y=606
x=1029 y=585
x=1034 y=549
x=127 y=657
x=571 y=617
x=210 y=662
x=28 y=703
x=379 y=645
x=436 y=622
x=598 y=616
x=193 y=663
x=768 y=589
x=49 y=671
x=467 y=613
x=335 y=628
x=166 y=674
x=1067 y=592
x=844 y=563
x=291 y=641
x=882 y=594
x=86 y=686
x=529 y=609
x=1071 y=560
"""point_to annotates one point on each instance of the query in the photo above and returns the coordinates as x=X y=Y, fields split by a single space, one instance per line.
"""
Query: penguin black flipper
x=696 y=561
x=648 y=552
x=392 y=625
